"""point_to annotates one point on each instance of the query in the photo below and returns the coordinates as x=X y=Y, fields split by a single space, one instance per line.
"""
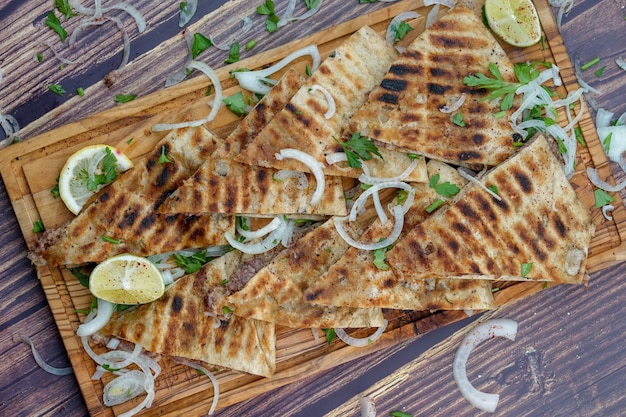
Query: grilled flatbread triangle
x=125 y=210
x=175 y=325
x=538 y=229
x=222 y=185
x=348 y=75
x=356 y=281
x=404 y=111
x=275 y=293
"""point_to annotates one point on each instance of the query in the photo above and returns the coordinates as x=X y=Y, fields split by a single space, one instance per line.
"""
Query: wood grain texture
x=597 y=391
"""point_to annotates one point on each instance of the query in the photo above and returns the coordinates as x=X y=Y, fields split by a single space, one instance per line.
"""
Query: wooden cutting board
x=29 y=170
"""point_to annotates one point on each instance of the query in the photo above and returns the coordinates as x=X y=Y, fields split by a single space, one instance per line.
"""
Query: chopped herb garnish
x=267 y=9
x=209 y=90
x=400 y=414
x=107 y=174
x=80 y=275
x=251 y=44
x=590 y=64
x=307 y=71
x=602 y=198
x=129 y=141
x=110 y=240
x=224 y=282
x=311 y=3
x=57 y=89
x=163 y=158
x=600 y=71
x=63 y=6
x=330 y=335
x=444 y=189
x=55 y=190
x=53 y=22
x=124 y=98
x=435 y=205
x=380 y=256
x=200 y=44
x=494 y=189
x=400 y=31
x=606 y=142
x=38 y=227
x=413 y=156
x=233 y=55
x=499 y=114
x=526 y=267
x=579 y=136
x=40 y=57
x=192 y=263
x=80 y=91
x=457 y=119
x=359 y=148
x=227 y=310
x=109 y=368
x=236 y=103
x=402 y=195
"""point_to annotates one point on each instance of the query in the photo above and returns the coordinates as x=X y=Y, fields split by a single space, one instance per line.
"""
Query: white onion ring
x=393 y=25
x=40 y=361
x=594 y=177
x=57 y=55
x=366 y=178
x=368 y=408
x=148 y=383
x=359 y=204
x=186 y=14
x=291 y=6
x=253 y=81
x=398 y=215
x=310 y=12
x=448 y=3
x=618 y=141
x=329 y=99
x=432 y=15
x=603 y=118
x=454 y=106
x=579 y=78
x=97 y=21
x=104 y=312
x=215 y=106
x=245 y=28
x=314 y=165
x=361 y=342
x=216 y=387
x=336 y=157
x=284 y=174
x=271 y=241
x=620 y=63
x=124 y=388
x=268 y=228
x=474 y=180
x=605 y=211
x=487 y=330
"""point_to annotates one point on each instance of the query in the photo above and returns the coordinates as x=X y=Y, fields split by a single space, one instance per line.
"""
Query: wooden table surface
x=568 y=358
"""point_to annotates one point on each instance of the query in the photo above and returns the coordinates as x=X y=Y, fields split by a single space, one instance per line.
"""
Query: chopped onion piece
x=187 y=12
x=284 y=174
x=620 y=63
x=366 y=178
x=124 y=388
x=104 y=312
x=603 y=118
x=487 y=330
x=215 y=106
x=479 y=184
x=395 y=22
x=254 y=81
x=359 y=204
x=605 y=211
x=140 y=21
x=329 y=98
x=565 y=6
x=309 y=12
x=42 y=363
x=398 y=215
x=216 y=387
x=432 y=15
x=368 y=409
x=314 y=165
x=361 y=342
x=291 y=6
x=454 y=106
x=113 y=343
x=268 y=228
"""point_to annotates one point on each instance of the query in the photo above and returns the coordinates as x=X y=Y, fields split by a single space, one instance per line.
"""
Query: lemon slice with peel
x=127 y=279
x=515 y=21
x=87 y=171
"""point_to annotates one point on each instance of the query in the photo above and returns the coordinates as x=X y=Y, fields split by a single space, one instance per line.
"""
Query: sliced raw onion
x=187 y=12
x=104 y=312
x=245 y=28
x=255 y=81
x=42 y=363
x=432 y=15
x=268 y=228
x=148 y=382
x=398 y=215
x=487 y=330
x=312 y=164
x=603 y=118
x=594 y=177
x=57 y=55
x=565 y=6
x=366 y=178
x=579 y=78
x=333 y=158
x=454 y=106
x=359 y=204
x=309 y=12
x=113 y=343
x=620 y=63
x=285 y=174
x=216 y=387
x=395 y=22
x=291 y=6
x=448 y=3
x=606 y=209
x=368 y=409
x=617 y=143
x=95 y=21
x=271 y=241
x=361 y=342
x=124 y=388
x=215 y=106
x=474 y=180
x=329 y=99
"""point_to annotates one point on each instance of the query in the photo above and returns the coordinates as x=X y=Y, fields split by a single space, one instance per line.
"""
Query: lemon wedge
x=127 y=279
x=515 y=21
x=87 y=171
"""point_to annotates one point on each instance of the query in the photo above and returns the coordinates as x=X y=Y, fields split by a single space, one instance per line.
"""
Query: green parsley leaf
x=435 y=205
x=359 y=148
x=579 y=135
x=110 y=240
x=129 y=141
x=400 y=31
x=330 y=335
x=251 y=44
x=311 y=3
x=192 y=263
x=494 y=189
x=224 y=281
x=526 y=267
x=40 y=57
x=457 y=119
x=81 y=275
x=444 y=189
x=200 y=44
x=307 y=71
x=63 y=6
x=57 y=89
x=606 y=142
x=402 y=195
x=227 y=310
x=124 y=98
x=602 y=198
x=233 y=55
x=38 y=227
x=55 y=190
x=380 y=256
x=267 y=9
x=236 y=103
x=163 y=159
x=400 y=414
x=413 y=156
x=110 y=368
x=209 y=90
x=80 y=91
x=108 y=173
x=53 y=22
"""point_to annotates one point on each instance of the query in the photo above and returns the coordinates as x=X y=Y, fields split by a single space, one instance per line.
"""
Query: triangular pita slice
x=538 y=229
x=355 y=281
x=275 y=293
x=348 y=75
x=125 y=210
x=222 y=185
x=175 y=325
x=404 y=110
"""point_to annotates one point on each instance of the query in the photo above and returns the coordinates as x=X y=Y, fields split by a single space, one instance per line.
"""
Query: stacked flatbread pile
x=533 y=228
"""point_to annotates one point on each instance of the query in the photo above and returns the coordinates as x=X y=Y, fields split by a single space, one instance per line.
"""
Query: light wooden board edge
x=55 y=287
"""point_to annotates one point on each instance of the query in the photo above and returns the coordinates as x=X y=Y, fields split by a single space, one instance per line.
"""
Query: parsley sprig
x=107 y=172
x=267 y=9
x=444 y=189
x=192 y=263
x=359 y=148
